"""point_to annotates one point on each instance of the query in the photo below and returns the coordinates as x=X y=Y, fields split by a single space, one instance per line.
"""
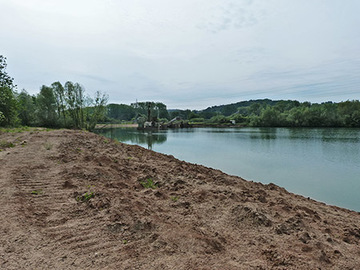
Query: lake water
x=323 y=164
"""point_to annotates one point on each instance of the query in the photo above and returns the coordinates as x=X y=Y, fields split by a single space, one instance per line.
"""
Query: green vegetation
x=8 y=102
x=174 y=198
x=148 y=183
x=138 y=111
x=279 y=113
x=54 y=106
x=37 y=192
x=5 y=144
x=86 y=196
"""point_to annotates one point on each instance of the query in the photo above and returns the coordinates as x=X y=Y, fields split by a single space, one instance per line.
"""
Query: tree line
x=138 y=111
x=68 y=106
x=282 y=113
x=54 y=106
x=254 y=113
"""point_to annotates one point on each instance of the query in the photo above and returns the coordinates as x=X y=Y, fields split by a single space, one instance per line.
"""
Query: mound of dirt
x=76 y=200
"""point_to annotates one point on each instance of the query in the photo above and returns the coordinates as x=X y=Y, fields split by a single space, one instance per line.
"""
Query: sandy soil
x=75 y=200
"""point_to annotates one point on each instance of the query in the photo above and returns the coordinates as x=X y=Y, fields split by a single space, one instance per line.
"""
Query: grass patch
x=174 y=198
x=37 y=192
x=86 y=196
x=5 y=144
x=148 y=183
x=21 y=129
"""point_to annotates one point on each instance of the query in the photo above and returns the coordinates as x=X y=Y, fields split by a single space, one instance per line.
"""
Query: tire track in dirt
x=43 y=202
x=196 y=218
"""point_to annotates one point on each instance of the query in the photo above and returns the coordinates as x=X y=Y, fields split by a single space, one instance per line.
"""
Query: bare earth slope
x=196 y=218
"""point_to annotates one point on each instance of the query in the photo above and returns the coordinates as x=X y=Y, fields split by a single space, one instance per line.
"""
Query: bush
x=197 y=120
x=219 y=119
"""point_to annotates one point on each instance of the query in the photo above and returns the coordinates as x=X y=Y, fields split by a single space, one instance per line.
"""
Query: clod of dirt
x=246 y=215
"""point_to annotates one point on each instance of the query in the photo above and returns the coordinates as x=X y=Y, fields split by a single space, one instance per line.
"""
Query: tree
x=46 y=107
x=297 y=117
x=75 y=99
x=270 y=117
x=98 y=109
x=162 y=110
x=60 y=99
x=120 y=112
x=5 y=79
x=26 y=109
x=8 y=103
x=255 y=109
x=350 y=113
x=153 y=110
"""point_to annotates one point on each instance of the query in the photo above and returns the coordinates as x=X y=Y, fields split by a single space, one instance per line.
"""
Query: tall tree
x=121 y=112
x=75 y=99
x=60 y=99
x=8 y=103
x=98 y=109
x=26 y=109
x=46 y=107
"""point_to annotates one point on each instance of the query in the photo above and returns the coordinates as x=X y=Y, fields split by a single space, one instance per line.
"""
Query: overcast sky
x=186 y=53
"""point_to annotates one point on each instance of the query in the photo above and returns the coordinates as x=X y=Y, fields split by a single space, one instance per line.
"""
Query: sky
x=188 y=54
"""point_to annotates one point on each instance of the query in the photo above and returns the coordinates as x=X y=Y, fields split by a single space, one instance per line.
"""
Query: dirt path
x=75 y=200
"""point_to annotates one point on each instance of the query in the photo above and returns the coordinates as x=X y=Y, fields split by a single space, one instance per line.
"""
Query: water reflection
x=134 y=136
x=262 y=133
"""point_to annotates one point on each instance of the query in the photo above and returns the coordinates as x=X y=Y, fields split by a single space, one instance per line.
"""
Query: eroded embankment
x=73 y=200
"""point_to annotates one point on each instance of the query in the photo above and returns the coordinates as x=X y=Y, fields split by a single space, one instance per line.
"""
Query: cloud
x=230 y=15
x=186 y=53
x=97 y=78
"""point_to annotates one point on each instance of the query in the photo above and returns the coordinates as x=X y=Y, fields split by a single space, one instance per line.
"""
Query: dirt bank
x=76 y=200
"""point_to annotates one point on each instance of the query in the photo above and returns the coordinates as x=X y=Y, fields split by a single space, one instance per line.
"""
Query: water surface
x=323 y=164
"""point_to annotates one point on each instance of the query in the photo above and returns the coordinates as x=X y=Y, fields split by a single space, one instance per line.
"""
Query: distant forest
x=255 y=113
x=68 y=106
x=55 y=106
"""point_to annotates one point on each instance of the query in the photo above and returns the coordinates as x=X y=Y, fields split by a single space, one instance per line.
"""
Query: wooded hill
x=256 y=113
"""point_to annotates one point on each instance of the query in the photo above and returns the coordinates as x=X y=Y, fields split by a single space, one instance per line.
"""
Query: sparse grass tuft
x=37 y=192
x=5 y=144
x=174 y=198
x=48 y=146
x=85 y=197
x=148 y=184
